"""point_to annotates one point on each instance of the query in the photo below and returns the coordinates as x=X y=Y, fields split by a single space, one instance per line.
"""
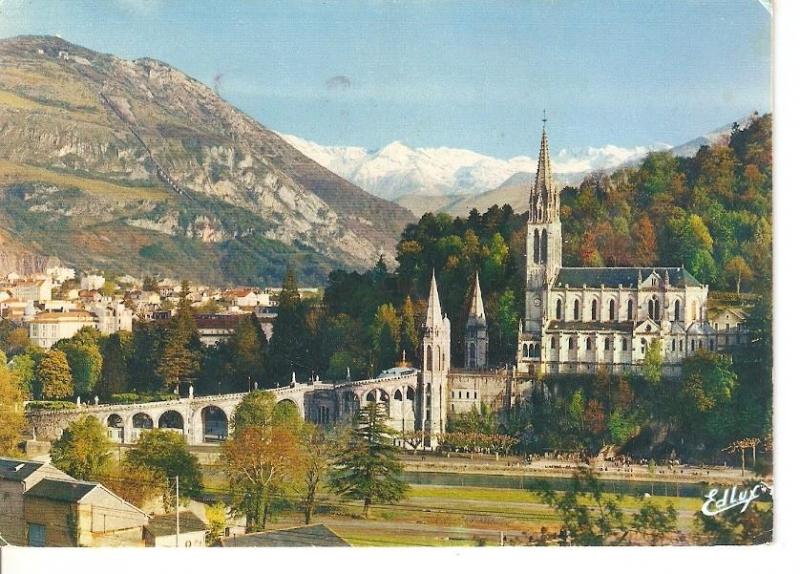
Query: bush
x=130 y=398
x=49 y=405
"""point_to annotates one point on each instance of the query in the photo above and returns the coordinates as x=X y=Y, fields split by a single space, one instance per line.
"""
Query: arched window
x=651 y=309
x=576 y=310
x=694 y=311
x=612 y=309
x=537 y=351
x=594 y=310
x=677 y=310
x=571 y=343
x=429 y=358
x=657 y=315
x=438 y=358
x=543 y=258
x=536 y=246
x=552 y=342
x=673 y=345
x=680 y=345
x=692 y=344
x=558 y=309
x=630 y=309
x=524 y=350
x=701 y=344
x=711 y=344
x=607 y=344
x=588 y=344
x=624 y=344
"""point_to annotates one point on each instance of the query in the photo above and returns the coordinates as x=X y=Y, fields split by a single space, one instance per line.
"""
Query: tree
x=247 y=351
x=289 y=345
x=409 y=333
x=23 y=369
x=385 y=336
x=180 y=355
x=368 y=468
x=139 y=485
x=216 y=517
x=653 y=361
x=316 y=458
x=117 y=352
x=593 y=517
x=84 y=450
x=85 y=361
x=166 y=453
x=16 y=340
x=259 y=461
x=262 y=456
x=737 y=270
x=54 y=375
x=12 y=417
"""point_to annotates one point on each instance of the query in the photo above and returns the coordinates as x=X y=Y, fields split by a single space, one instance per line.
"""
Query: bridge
x=208 y=419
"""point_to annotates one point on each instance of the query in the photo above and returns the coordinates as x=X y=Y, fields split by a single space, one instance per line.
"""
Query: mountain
x=571 y=168
x=413 y=177
x=135 y=167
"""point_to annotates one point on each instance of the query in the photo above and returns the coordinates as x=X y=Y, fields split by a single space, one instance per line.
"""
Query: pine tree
x=180 y=358
x=409 y=332
x=368 y=468
x=288 y=349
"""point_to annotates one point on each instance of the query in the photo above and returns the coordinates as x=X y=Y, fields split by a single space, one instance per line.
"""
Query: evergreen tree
x=289 y=345
x=116 y=357
x=368 y=468
x=180 y=356
x=409 y=331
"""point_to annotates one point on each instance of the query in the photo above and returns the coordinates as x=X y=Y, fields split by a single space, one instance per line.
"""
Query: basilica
x=580 y=318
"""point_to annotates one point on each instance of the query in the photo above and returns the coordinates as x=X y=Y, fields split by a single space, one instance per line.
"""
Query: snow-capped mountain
x=398 y=170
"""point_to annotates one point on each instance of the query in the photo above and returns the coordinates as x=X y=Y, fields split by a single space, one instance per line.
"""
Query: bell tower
x=543 y=245
x=435 y=366
x=476 y=339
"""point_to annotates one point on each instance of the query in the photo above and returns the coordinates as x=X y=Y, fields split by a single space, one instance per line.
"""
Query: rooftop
x=314 y=535
x=61 y=490
x=164 y=524
x=625 y=276
x=17 y=469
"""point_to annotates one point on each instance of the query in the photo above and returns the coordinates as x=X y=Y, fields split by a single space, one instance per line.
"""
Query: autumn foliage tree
x=54 y=376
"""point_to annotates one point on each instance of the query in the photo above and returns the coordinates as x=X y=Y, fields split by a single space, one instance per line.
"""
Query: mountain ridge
x=177 y=150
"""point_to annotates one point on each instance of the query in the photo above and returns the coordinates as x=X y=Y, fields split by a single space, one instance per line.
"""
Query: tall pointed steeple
x=544 y=199
x=476 y=339
x=434 y=317
x=476 y=307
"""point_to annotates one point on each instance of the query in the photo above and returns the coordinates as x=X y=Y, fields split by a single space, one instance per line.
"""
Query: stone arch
x=410 y=393
x=398 y=395
x=171 y=419
x=289 y=403
x=142 y=421
x=115 y=427
x=215 y=423
x=537 y=351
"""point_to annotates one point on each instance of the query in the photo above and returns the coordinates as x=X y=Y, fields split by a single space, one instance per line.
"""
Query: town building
x=69 y=512
x=161 y=530
x=16 y=478
x=46 y=329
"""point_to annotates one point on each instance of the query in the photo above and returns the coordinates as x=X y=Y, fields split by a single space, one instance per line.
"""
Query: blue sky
x=445 y=73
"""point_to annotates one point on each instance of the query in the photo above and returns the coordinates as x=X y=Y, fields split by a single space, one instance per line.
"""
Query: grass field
x=19 y=173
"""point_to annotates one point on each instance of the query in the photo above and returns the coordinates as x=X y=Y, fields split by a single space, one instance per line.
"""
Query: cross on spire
x=544 y=118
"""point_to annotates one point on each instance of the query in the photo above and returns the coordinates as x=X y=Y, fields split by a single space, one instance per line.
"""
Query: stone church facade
x=578 y=319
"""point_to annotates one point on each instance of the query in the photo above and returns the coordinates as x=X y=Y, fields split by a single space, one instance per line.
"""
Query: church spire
x=543 y=200
x=476 y=307
x=434 y=316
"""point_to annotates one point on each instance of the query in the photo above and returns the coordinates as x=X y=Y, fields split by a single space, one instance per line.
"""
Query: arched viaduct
x=207 y=419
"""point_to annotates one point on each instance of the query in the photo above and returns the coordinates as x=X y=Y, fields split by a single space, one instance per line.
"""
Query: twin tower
x=433 y=380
